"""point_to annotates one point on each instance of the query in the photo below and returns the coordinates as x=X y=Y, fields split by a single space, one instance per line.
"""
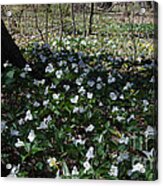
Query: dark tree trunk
x=84 y=21
x=91 y=18
x=9 y=50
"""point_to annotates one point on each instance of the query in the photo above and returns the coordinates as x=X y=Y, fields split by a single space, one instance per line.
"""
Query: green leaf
x=65 y=169
x=36 y=149
x=39 y=165
x=10 y=74
x=27 y=147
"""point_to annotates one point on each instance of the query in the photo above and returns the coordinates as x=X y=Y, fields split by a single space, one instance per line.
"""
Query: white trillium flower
x=60 y=63
x=86 y=71
x=124 y=140
x=90 y=153
x=75 y=110
x=89 y=95
x=42 y=82
x=83 y=42
x=100 y=104
x=45 y=102
x=14 y=171
x=59 y=74
x=6 y=64
x=99 y=86
x=44 y=124
x=131 y=118
x=76 y=70
x=87 y=166
x=56 y=96
x=21 y=121
x=39 y=82
x=150 y=131
x=115 y=109
x=49 y=118
x=90 y=128
x=46 y=90
x=28 y=95
x=79 y=81
x=82 y=90
x=36 y=104
x=27 y=68
x=145 y=103
x=66 y=87
x=52 y=162
x=19 y=143
x=138 y=168
x=28 y=116
x=74 y=65
x=75 y=99
x=121 y=96
x=81 y=110
x=53 y=86
x=99 y=79
x=91 y=83
x=111 y=79
x=127 y=86
x=49 y=68
x=113 y=96
x=31 y=136
x=75 y=171
x=78 y=141
x=149 y=154
x=14 y=132
x=113 y=171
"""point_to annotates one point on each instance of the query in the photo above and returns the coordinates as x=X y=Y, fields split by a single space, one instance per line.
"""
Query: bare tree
x=73 y=19
x=35 y=7
x=9 y=50
x=47 y=22
x=84 y=21
x=61 y=21
x=91 y=18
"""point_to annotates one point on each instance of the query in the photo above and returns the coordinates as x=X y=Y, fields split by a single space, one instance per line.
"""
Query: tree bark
x=73 y=19
x=61 y=22
x=91 y=18
x=9 y=50
x=84 y=21
x=47 y=22
x=35 y=9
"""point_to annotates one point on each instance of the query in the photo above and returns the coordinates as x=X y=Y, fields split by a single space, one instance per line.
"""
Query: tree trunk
x=91 y=18
x=47 y=21
x=9 y=50
x=84 y=21
x=73 y=19
x=61 y=22
x=35 y=9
